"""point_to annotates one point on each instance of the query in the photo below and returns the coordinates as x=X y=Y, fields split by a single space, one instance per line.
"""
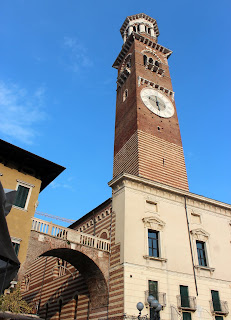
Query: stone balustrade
x=70 y=235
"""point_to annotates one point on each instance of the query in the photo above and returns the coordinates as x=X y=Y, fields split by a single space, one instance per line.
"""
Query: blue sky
x=58 y=90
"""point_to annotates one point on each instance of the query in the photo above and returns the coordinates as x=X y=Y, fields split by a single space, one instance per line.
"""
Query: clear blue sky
x=58 y=90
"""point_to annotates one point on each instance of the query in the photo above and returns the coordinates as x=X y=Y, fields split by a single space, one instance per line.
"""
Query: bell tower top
x=139 y=23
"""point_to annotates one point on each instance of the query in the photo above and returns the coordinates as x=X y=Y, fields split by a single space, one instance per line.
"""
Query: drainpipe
x=190 y=242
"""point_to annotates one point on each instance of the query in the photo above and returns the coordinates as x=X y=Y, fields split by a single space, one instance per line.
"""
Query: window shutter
x=21 y=196
x=186 y=316
x=184 y=296
x=153 y=289
x=216 y=300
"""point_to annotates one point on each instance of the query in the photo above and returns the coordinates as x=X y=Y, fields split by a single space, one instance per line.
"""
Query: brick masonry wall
x=47 y=287
x=147 y=145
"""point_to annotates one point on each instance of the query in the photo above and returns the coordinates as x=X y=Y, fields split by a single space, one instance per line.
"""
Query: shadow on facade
x=93 y=276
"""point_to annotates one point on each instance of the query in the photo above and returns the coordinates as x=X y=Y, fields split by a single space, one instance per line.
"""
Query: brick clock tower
x=147 y=134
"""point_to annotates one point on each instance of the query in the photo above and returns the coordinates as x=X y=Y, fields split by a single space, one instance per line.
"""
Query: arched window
x=145 y=28
x=104 y=235
x=134 y=28
x=76 y=306
x=145 y=60
x=149 y=30
x=60 y=308
x=125 y=94
x=46 y=311
x=157 y=63
x=150 y=60
x=138 y=28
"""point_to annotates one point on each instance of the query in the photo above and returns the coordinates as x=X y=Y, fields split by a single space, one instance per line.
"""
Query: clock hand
x=157 y=103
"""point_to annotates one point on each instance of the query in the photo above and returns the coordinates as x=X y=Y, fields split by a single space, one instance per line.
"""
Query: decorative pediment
x=153 y=223
x=200 y=234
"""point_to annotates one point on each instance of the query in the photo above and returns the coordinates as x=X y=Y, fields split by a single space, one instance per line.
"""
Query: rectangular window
x=184 y=296
x=153 y=243
x=16 y=247
x=153 y=291
x=186 y=316
x=216 y=300
x=153 y=288
x=218 y=318
x=201 y=253
x=21 y=196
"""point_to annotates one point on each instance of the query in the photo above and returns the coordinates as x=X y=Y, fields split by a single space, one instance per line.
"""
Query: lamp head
x=154 y=304
x=140 y=306
x=150 y=299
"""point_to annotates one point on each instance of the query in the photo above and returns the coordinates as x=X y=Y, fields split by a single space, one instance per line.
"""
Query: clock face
x=157 y=102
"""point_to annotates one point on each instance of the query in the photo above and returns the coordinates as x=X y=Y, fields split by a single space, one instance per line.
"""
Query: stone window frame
x=201 y=235
x=26 y=185
x=17 y=241
x=195 y=214
x=126 y=60
x=106 y=231
x=125 y=95
x=155 y=224
x=27 y=280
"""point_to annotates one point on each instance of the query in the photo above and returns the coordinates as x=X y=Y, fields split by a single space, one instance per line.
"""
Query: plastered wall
x=139 y=207
x=19 y=220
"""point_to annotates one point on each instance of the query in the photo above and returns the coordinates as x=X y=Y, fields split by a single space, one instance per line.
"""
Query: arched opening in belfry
x=56 y=275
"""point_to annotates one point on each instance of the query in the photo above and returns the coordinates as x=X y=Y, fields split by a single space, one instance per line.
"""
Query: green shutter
x=216 y=300
x=16 y=248
x=153 y=288
x=184 y=296
x=21 y=196
x=186 y=316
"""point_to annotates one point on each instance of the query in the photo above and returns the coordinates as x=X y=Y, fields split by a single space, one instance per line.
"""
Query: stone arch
x=90 y=262
x=150 y=52
x=96 y=282
x=104 y=234
x=127 y=60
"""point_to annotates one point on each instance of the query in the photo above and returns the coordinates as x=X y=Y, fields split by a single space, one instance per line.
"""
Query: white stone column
x=142 y=28
x=152 y=32
x=124 y=37
x=130 y=29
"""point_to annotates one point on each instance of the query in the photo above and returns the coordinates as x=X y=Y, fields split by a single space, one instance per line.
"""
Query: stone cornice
x=141 y=38
x=119 y=180
x=137 y=16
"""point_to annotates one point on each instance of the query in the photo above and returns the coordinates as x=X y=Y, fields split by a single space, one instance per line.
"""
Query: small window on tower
x=150 y=60
x=138 y=28
x=157 y=63
x=134 y=28
x=125 y=94
x=145 y=60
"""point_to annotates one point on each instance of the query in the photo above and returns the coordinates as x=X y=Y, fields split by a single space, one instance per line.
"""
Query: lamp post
x=154 y=305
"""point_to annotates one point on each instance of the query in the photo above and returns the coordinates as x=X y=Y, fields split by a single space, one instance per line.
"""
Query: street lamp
x=154 y=304
x=140 y=307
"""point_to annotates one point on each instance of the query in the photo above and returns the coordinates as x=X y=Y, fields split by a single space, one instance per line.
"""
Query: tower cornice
x=127 y=45
x=138 y=16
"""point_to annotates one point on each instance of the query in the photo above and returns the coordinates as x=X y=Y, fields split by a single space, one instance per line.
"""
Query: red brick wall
x=147 y=145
